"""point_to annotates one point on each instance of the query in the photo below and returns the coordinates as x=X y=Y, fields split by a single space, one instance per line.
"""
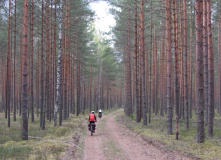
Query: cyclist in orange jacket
x=92 y=120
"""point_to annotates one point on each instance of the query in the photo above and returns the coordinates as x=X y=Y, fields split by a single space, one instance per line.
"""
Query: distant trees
x=55 y=63
x=60 y=58
x=188 y=85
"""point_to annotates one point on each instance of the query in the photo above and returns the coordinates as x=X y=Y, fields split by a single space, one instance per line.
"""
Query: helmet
x=92 y=111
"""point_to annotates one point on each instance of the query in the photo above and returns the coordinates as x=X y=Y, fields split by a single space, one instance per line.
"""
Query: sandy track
x=113 y=141
x=93 y=144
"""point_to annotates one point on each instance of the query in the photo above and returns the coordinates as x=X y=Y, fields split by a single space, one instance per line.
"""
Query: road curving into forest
x=113 y=141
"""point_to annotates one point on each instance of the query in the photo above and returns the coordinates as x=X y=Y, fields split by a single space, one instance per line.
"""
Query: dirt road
x=113 y=141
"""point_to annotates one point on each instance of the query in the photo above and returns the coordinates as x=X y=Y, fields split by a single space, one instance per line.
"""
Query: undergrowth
x=186 y=144
x=42 y=144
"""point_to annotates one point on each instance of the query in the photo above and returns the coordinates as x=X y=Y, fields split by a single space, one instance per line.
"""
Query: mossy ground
x=157 y=131
x=42 y=144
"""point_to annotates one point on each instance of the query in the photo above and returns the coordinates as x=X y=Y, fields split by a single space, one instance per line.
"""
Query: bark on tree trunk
x=138 y=116
x=169 y=67
x=191 y=63
x=58 y=104
x=21 y=62
x=205 y=59
x=176 y=73
x=8 y=77
x=31 y=69
x=78 y=83
x=219 y=52
x=211 y=72
x=128 y=71
x=25 y=73
x=42 y=69
x=55 y=60
x=150 y=69
x=15 y=107
x=142 y=50
x=156 y=75
x=199 y=71
x=185 y=70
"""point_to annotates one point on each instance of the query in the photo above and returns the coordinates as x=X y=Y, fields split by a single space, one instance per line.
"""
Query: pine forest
x=155 y=74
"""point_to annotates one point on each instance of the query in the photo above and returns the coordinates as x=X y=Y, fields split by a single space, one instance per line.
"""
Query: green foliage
x=48 y=149
x=12 y=149
x=132 y=116
x=110 y=64
x=61 y=131
x=42 y=144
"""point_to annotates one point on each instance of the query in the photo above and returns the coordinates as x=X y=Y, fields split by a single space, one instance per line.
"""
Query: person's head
x=92 y=112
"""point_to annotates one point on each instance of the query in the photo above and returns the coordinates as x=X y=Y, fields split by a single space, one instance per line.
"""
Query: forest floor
x=114 y=141
x=117 y=137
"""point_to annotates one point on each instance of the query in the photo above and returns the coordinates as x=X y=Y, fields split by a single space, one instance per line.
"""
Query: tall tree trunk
x=47 y=63
x=142 y=52
x=95 y=92
x=42 y=116
x=180 y=44
x=51 y=69
x=15 y=106
x=156 y=75
x=90 y=90
x=150 y=68
x=25 y=73
x=37 y=75
x=199 y=71
x=21 y=62
x=31 y=56
x=108 y=94
x=191 y=58
x=78 y=82
x=66 y=64
x=169 y=66
x=8 y=82
x=128 y=71
x=205 y=59
x=55 y=64
x=2 y=87
x=185 y=69
x=4 y=90
x=58 y=104
x=176 y=73
x=211 y=72
x=102 y=87
x=138 y=116
x=73 y=87
x=99 y=86
x=162 y=73
x=219 y=52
